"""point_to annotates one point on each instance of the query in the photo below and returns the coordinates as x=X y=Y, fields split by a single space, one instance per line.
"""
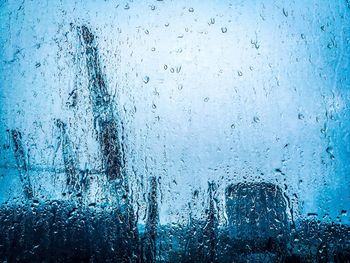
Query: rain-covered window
x=174 y=131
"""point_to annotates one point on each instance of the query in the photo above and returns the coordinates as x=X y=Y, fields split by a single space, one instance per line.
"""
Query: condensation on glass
x=174 y=131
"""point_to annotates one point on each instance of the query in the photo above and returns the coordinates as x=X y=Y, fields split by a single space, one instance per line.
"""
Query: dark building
x=257 y=218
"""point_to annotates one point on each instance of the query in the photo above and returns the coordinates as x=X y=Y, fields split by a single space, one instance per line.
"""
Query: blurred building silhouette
x=257 y=219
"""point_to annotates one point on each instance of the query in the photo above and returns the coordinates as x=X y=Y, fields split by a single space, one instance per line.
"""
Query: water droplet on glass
x=224 y=30
x=146 y=79
x=165 y=67
x=153 y=7
x=256 y=119
x=206 y=99
x=191 y=10
x=300 y=116
x=255 y=44
x=180 y=87
x=330 y=152
x=330 y=45
x=240 y=73
x=106 y=98
x=285 y=12
x=172 y=70
x=126 y=7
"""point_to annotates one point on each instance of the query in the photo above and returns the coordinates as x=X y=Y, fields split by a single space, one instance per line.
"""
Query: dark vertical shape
x=195 y=250
x=21 y=162
x=111 y=148
x=149 y=246
x=291 y=211
x=102 y=109
x=211 y=227
x=69 y=159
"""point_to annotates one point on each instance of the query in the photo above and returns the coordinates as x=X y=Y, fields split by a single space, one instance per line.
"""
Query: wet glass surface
x=174 y=131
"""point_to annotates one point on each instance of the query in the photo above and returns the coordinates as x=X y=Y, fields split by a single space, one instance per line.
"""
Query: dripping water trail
x=21 y=162
x=149 y=246
x=73 y=182
x=210 y=230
